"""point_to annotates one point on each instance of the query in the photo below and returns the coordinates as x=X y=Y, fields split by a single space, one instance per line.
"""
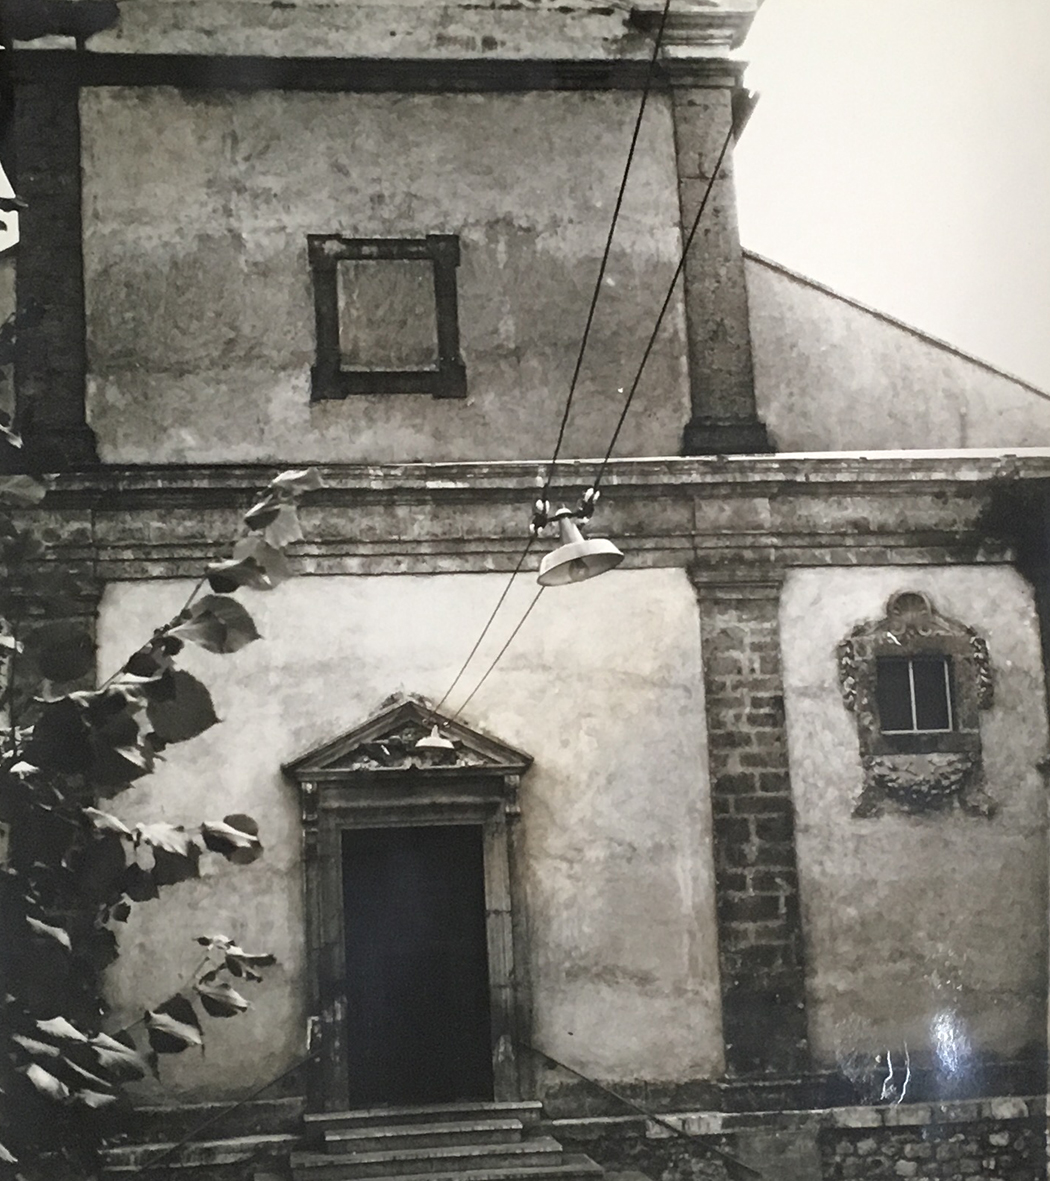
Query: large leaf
x=173 y=1026
x=169 y=868
x=60 y=1027
x=172 y=838
x=46 y=1083
x=255 y=564
x=84 y=1076
x=122 y=1060
x=19 y=489
x=104 y=822
x=32 y=1046
x=236 y=844
x=98 y=947
x=284 y=528
x=187 y=713
x=263 y=512
x=139 y=884
x=220 y=999
x=61 y=651
x=224 y=577
x=99 y=865
x=94 y=1098
x=218 y=624
x=61 y=738
x=242 y=963
x=151 y=660
x=297 y=482
x=49 y=931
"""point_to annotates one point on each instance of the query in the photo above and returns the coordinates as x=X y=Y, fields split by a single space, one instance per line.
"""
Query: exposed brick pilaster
x=51 y=361
x=756 y=874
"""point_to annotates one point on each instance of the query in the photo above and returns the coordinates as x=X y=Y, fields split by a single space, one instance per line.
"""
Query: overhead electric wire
x=608 y=245
x=488 y=624
x=664 y=306
x=499 y=654
x=623 y=413
x=579 y=362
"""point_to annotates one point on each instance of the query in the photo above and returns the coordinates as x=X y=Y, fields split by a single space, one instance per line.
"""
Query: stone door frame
x=340 y=796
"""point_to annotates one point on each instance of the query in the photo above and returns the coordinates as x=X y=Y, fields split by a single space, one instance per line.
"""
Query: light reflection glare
x=951 y=1044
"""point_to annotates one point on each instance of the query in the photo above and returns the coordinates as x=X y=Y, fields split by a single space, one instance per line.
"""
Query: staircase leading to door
x=446 y=1142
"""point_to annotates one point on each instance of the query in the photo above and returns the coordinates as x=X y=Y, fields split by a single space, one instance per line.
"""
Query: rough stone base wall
x=1007 y=1150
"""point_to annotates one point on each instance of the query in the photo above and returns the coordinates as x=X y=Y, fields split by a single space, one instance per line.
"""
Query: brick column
x=51 y=360
x=724 y=418
x=756 y=875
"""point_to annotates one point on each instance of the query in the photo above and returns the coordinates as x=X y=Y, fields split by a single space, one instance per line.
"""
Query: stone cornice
x=729 y=521
x=905 y=472
x=699 y=28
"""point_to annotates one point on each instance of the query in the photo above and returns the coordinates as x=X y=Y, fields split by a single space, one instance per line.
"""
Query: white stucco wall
x=833 y=376
x=602 y=686
x=914 y=920
x=200 y=307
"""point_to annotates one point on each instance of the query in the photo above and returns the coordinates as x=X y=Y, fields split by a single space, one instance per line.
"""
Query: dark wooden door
x=417 y=965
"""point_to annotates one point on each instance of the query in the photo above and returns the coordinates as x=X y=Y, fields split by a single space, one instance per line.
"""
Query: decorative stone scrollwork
x=918 y=768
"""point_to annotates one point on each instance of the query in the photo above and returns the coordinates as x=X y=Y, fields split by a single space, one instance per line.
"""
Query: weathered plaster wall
x=199 y=300
x=602 y=686
x=394 y=28
x=929 y=930
x=833 y=376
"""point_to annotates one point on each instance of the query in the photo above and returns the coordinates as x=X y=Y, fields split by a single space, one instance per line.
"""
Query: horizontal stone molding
x=737 y=524
x=215 y=70
x=714 y=1123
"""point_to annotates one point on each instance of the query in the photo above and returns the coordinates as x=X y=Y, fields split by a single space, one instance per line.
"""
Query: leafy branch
x=75 y=870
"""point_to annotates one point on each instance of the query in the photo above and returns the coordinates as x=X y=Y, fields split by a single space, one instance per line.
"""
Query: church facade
x=751 y=830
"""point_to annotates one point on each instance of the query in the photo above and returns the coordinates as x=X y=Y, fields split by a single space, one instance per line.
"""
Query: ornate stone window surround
x=925 y=768
x=374 y=777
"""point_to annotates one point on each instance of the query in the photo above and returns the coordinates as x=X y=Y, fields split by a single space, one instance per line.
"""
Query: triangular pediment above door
x=388 y=742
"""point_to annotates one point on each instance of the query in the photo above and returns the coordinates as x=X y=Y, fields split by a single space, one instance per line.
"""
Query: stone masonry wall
x=759 y=926
x=990 y=1149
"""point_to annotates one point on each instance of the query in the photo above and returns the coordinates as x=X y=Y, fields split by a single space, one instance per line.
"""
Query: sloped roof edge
x=936 y=342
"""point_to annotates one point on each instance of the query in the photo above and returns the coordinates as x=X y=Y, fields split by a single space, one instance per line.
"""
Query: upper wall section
x=533 y=29
x=832 y=375
x=199 y=302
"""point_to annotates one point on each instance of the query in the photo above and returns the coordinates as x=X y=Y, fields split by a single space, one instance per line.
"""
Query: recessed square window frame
x=329 y=378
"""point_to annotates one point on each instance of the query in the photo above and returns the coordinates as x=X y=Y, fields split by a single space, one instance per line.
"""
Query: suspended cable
x=664 y=306
x=488 y=623
x=647 y=87
x=592 y=493
x=499 y=654
x=608 y=245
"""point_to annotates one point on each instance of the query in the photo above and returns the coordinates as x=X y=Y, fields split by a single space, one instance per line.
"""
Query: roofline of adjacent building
x=945 y=346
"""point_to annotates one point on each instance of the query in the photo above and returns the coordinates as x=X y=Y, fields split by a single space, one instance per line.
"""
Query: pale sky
x=900 y=154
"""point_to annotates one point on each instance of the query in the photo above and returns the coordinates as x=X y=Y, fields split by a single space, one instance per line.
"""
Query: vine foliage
x=72 y=869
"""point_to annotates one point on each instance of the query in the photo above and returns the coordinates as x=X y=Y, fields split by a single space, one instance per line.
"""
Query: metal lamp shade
x=577 y=558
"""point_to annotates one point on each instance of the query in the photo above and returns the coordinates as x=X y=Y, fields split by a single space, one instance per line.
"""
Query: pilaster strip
x=756 y=872
x=724 y=416
x=51 y=362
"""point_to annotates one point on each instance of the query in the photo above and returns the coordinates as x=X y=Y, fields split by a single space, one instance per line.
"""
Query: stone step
x=570 y=1168
x=457 y=1158
x=445 y=1132
x=528 y=1111
x=198 y=1154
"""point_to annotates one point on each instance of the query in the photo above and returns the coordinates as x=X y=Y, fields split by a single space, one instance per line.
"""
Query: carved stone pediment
x=388 y=743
